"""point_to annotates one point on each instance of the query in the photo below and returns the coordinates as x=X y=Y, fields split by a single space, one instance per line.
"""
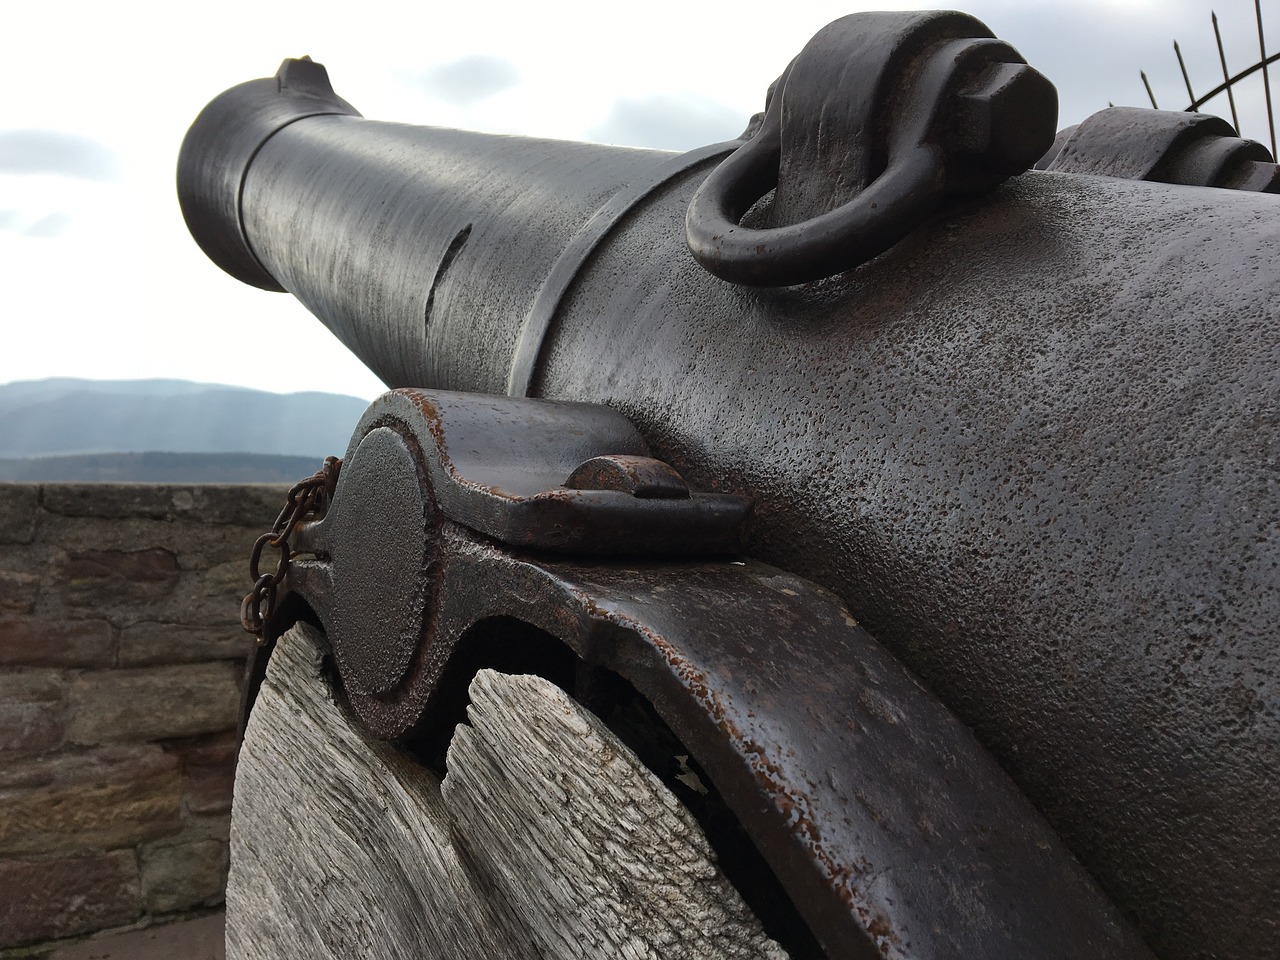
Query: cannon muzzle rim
x=220 y=147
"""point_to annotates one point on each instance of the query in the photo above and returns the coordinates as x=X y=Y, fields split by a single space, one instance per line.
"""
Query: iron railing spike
x=1226 y=76
x=1266 y=79
x=1147 y=83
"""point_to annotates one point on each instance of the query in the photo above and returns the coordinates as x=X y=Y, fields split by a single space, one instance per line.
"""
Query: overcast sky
x=100 y=278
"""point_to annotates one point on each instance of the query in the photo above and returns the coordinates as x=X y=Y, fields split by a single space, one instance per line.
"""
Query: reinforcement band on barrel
x=524 y=362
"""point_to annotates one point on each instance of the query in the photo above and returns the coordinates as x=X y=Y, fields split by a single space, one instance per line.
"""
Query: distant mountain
x=42 y=418
x=22 y=392
x=161 y=468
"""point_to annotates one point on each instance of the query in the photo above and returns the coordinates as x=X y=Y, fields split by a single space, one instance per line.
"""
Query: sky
x=100 y=279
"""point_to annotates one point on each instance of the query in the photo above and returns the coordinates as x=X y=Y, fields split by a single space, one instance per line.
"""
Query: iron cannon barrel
x=1033 y=446
x=412 y=244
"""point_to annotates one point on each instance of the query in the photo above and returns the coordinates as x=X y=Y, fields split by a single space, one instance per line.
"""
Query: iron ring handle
x=890 y=207
x=977 y=114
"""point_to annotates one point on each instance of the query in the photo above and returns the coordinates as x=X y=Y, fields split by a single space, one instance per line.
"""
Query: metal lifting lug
x=880 y=118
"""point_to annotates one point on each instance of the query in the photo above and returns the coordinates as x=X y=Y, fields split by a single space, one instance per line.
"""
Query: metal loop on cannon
x=877 y=120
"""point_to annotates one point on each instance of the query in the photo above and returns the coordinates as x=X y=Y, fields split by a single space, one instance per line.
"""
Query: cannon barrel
x=1031 y=442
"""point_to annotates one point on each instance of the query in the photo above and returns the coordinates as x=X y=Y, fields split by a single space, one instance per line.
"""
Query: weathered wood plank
x=572 y=830
x=549 y=838
x=340 y=846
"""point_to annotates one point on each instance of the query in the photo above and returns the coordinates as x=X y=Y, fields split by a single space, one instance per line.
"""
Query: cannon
x=916 y=468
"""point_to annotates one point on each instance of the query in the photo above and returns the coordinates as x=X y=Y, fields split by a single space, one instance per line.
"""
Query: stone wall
x=121 y=658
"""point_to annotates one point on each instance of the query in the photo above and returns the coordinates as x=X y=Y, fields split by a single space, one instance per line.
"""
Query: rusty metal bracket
x=889 y=827
x=502 y=467
x=552 y=477
x=879 y=119
x=1192 y=149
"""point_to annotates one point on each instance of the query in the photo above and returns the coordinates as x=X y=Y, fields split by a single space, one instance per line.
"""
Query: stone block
x=30 y=642
x=148 y=643
x=96 y=578
x=218 y=750
x=210 y=596
x=250 y=505
x=153 y=703
x=209 y=770
x=209 y=790
x=103 y=800
x=18 y=591
x=20 y=512
x=114 y=762
x=122 y=533
x=196 y=545
x=183 y=876
x=31 y=712
x=47 y=899
x=218 y=545
x=213 y=826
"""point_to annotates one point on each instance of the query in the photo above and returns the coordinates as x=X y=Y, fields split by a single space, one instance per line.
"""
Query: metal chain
x=306 y=498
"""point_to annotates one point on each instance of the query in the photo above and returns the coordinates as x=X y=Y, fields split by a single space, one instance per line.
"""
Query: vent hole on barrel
x=450 y=254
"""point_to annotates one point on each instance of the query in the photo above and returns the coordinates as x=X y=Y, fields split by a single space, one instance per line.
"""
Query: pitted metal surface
x=1035 y=448
x=380 y=544
x=558 y=478
x=428 y=247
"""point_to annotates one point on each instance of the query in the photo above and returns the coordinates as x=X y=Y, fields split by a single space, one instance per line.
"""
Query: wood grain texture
x=547 y=839
x=340 y=846
x=573 y=831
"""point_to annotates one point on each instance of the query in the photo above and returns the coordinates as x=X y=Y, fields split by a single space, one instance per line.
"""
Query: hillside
x=167 y=431
x=59 y=417
x=160 y=468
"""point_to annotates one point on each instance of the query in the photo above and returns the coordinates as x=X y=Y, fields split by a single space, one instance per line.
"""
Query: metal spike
x=1222 y=57
x=1266 y=79
x=1191 y=97
x=1147 y=83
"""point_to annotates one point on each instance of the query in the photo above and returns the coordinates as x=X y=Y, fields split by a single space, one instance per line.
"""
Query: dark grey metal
x=240 y=123
x=578 y=251
x=1264 y=60
x=512 y=470
x=1229 y=82
x=1226 y=74
x=937 y=107
x=891 y=829
x=1195 y=149
x=1032 y=446
x=553 y=477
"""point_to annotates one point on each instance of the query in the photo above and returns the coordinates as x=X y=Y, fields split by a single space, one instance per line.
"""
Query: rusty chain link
x=306 y=498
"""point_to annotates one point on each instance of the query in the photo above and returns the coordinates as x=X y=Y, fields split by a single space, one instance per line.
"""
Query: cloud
x=54 y=225
x=470 y=80
x=56 y=152
x=669 y=122
x=8 y=219
x=1093 y=53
